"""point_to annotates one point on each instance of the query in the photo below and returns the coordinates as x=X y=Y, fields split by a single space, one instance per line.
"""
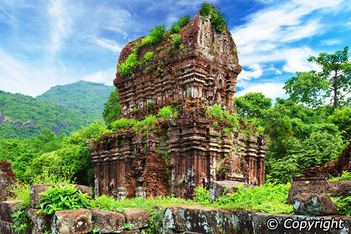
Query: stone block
x=35 y=194
x=314 y=204
x=219 y=188
x=7 y=208
x=72 y=222
x=6 y=228
x=137 y=217
x=40 y=221
x=5 y=183
x=85 y=189
x=131 y=232
x=108 y=221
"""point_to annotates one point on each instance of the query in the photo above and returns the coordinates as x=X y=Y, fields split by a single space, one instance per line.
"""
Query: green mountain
x=22 y=116
x=86 y=97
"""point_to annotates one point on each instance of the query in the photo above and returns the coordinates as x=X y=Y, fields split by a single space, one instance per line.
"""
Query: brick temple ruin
x=202 y=73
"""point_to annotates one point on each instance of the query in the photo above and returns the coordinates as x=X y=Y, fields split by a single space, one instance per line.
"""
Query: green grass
x=346 y=175
x=216 y=16
x=268 y=198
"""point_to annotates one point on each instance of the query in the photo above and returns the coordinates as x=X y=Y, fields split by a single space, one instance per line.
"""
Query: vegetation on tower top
x=216 y=16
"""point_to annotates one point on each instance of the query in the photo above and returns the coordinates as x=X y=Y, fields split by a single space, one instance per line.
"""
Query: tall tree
x=333 y=81
x=112 y=109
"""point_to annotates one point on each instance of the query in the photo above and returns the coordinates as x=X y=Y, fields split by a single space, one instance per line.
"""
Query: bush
x=216 y=17
x=21 y=221
x=123 y=123
x=183 y=21
x=179 y=24
x=175 y=28
x=202 y=195
x=269 y=198
x=156 y=35
x=346 y=175
x=148 y=56
x=150 y=103
x=167 y=112
x=216 y=111
x=107 y=203
x=128 y=66
x=146 y=124
x=70 y=161
x=344 y=205
x=21 y=192
x=176 y=40
x=65 y=197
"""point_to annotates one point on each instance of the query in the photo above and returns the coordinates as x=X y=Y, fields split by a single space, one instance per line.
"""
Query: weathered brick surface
x=6 y=228
x=40 y=221
x=137 y=217
x=72 y=222
x=7 y=178
x=108 y=221
x=7 y=208
x=182 y=154
x=204 y=220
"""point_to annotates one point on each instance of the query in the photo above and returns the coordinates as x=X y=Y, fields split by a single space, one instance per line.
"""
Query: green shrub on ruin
x=148 y=56
x=176 y=27
x=150 y=104
x=176 y=41
x=65 y=197
x=167 y=112
x=147 y=124
x=129 y=65
x=216 y=112
x=216 y=16
x=123 y=123
x=156 y=35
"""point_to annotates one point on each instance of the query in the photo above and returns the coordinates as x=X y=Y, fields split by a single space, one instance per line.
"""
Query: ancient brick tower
x=201 y=74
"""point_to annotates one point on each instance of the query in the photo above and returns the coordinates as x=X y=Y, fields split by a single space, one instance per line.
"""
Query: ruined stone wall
x=205 y=69
x=7 y=178
x=179 y=155
x=175 y=159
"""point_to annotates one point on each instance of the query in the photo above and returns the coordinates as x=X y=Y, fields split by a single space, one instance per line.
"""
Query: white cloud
x=330 y=42
x=296 y=60
x=254 y=71
x=108 y=44
x=105 y=77
x=60 y=24
x=17 y=76
x=269 y=34
x=271 y=90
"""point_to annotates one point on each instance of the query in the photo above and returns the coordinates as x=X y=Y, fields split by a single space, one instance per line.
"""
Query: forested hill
x=22 y=116
x=86 y=97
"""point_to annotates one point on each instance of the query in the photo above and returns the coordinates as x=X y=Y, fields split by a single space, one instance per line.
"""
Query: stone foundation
x=180 y=220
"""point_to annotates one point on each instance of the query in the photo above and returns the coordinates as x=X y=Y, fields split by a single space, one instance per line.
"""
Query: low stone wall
x=73 y=221
x=175 y=220
x=202 y=220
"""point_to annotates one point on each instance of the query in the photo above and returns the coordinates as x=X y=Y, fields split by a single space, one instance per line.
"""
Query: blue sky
x=46 y=43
